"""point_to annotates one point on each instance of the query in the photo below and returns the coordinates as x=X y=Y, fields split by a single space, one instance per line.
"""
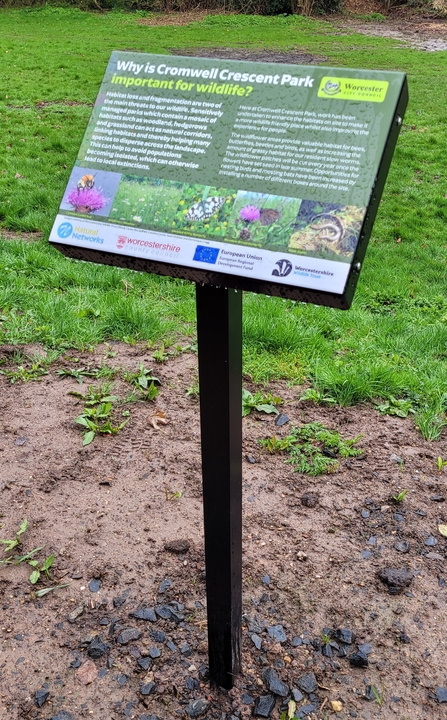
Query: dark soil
x=124 y=514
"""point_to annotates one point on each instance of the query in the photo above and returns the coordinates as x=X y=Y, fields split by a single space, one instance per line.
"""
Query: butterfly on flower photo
x=204 y=209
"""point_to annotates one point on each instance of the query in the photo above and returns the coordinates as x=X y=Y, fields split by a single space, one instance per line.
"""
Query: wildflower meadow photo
x=149 y=202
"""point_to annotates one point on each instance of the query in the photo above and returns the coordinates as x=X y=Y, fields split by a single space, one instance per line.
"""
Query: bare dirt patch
x=123 y=517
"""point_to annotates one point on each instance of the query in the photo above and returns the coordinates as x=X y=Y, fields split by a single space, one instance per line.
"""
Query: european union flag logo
x=206 y=254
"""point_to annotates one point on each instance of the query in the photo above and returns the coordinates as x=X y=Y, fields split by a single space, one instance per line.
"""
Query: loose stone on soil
x=94 y=585
x=277 y=633
x=297 y=695
x=307 y=683
x=177 y=546
x=144 y=662
x=345 y=636
x=257 y=641
x=170 y=611
x=396 y=579
x=75 y=614
x=305 y=710
x=144 y=613
x=402 y=546
x=121 y=599
x=434 y=556
x=274 y=684
x=336 y=705
x=191 y=684
x=309 y=500
x=127 y=635
x=281 y=420
x=358 y=659
x=62 y=715
x=87 y=672
x=366 y=648
x=97 y=648
x=370 y=693
x=157 y=636
x=165 y=584
x=441 y=694
x=264 y=706
x=148 y=688
x=431 y=541
x=41 y=696
x=196 y=708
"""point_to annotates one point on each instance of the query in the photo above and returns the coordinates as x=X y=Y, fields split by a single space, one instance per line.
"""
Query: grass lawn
x=393 y=341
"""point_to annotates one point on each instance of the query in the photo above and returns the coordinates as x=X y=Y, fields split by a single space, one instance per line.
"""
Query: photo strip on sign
x=258 y=176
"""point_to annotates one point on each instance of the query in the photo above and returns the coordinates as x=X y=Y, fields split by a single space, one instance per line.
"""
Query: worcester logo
x=331 y=88
x=284 y=268
x=356 y=89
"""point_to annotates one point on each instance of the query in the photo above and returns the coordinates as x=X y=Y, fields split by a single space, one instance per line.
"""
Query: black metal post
x=219 y=330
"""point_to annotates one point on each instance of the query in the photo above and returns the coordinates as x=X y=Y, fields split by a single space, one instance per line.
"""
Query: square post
x=219 y=330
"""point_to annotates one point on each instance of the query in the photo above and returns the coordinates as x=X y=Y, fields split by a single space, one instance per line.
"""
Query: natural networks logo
x=284 y=268
x=352 y=89
x=65 y=229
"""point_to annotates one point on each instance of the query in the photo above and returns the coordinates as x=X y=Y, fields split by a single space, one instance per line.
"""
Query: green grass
x=393 y=341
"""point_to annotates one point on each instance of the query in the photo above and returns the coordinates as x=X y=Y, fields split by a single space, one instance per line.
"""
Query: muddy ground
x=313 y=548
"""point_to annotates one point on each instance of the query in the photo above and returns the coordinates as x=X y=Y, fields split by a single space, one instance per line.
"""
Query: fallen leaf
x=87 y=672
x=398 y=240
x=159 y=418
x=443 y=530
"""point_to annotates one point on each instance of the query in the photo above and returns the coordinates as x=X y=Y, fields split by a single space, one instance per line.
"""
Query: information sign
x=255 y=176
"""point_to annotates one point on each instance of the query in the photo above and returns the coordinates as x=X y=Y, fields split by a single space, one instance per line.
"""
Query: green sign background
x=348 y=134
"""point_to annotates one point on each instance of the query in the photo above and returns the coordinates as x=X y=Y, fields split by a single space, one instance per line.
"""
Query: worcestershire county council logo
x=284 y=268
x=122 y=239
x=65 y=229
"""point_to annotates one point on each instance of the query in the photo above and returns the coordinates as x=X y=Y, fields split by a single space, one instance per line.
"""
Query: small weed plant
x=393 y=406
x=318 y=397
x=79 y=373
x=313 y=449
x=144 y=381
x=17 y=540
x=40 y=568
x=160 y=355
x=259 y=402
x=25 y=373
x=98 y=413
x=193 y=390
x=400 y=497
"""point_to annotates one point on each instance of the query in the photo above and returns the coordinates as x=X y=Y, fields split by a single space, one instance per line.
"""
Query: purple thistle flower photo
x=250 y=213
x=86 y=200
